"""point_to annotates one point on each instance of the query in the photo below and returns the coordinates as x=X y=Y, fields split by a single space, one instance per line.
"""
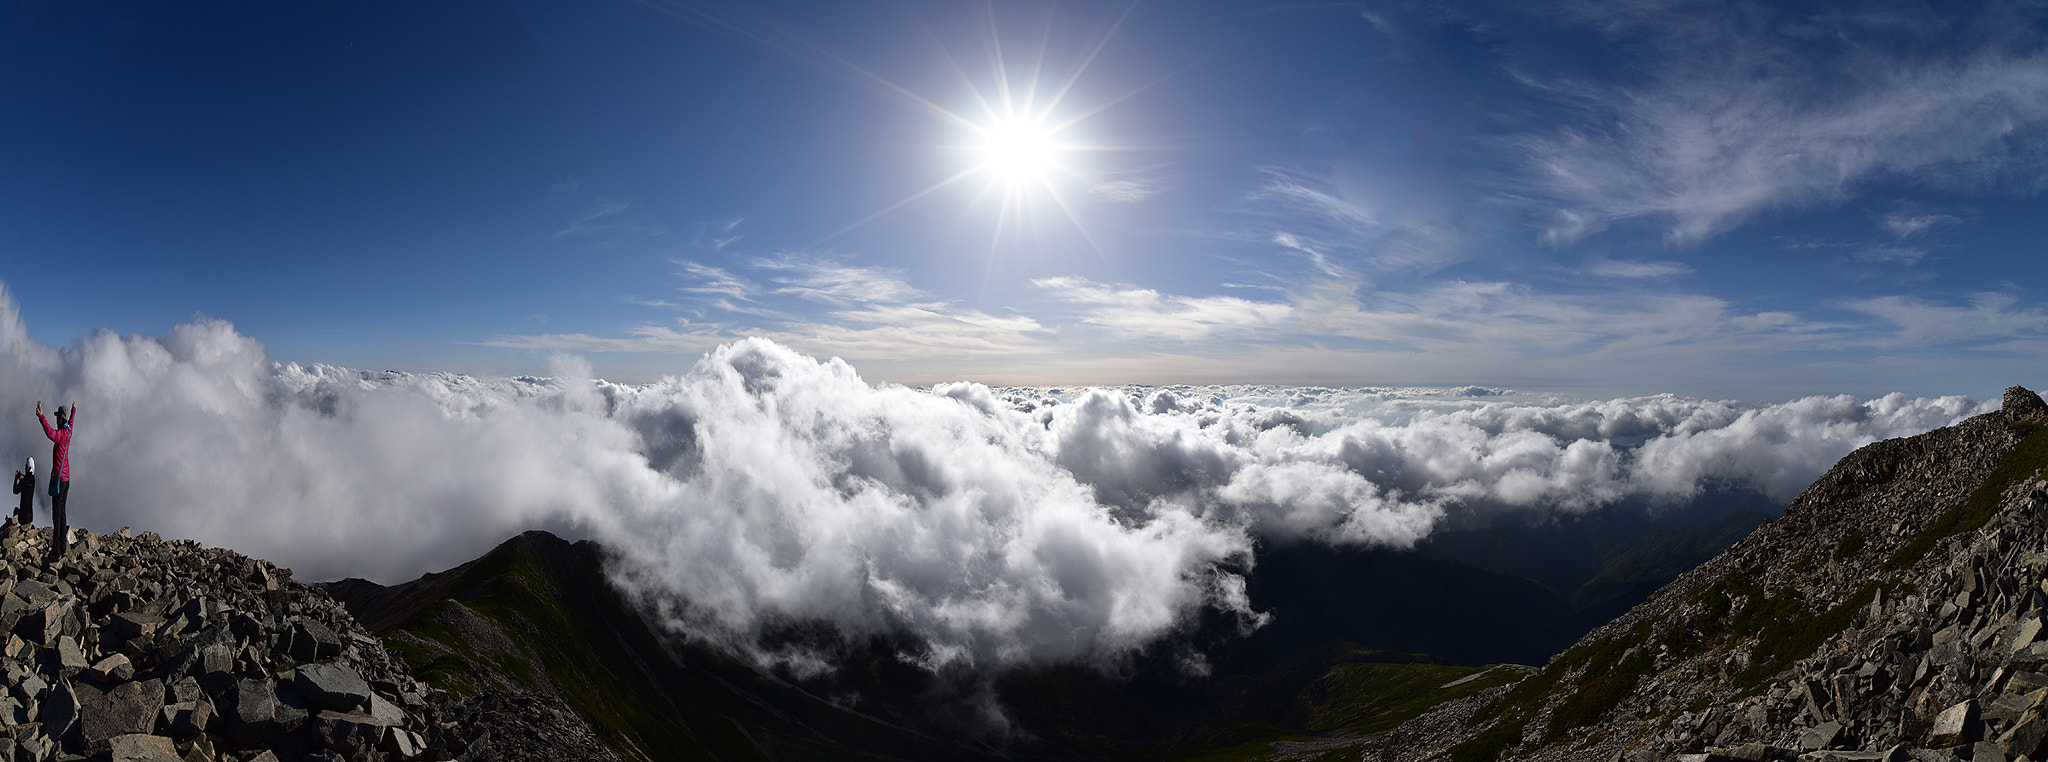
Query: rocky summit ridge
x=1895 y=612
x=136 y=648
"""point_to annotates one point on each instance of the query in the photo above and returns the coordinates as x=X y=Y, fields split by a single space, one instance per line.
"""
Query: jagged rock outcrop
x=138 y=648
x=1895 y=612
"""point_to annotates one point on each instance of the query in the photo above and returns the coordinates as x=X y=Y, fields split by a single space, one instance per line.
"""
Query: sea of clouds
x=762 y=487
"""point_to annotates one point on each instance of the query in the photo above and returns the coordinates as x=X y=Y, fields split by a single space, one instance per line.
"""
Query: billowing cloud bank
x=763 y=487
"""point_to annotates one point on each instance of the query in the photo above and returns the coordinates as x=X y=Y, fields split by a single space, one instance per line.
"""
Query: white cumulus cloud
x=764 y=487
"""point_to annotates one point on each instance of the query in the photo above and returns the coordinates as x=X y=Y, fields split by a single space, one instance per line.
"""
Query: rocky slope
x=137 y=648
x=1895 y=612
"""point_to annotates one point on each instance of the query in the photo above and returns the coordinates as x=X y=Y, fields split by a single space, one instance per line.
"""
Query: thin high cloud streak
x=763 y=487
x=1074 y=328
x=867 y=312
x=1147 y=312
x=1340 y=293
x=1729 y=119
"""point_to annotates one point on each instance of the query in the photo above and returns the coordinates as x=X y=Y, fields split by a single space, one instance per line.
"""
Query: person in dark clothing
x=60 y=476
x=25 y=486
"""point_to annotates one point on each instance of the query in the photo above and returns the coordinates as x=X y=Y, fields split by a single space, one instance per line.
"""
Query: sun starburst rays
x=1018 y=139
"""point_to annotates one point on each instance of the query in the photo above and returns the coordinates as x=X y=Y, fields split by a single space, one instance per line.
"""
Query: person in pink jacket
x=60 y=474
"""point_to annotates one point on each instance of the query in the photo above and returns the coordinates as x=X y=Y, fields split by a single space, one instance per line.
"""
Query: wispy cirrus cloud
x=1499 y=319
x=824 y=280
x=1125 y=191
x=818 y=305
x=1889 y=254
x=1334 y=328
x=705 y=279
x=1658 y=269
x=1748 y=108
x=1149 y=313
x=1904 y=240
x=1132 y=185
x=608 y=221
x=643 y=338
x=902 y=332
x=1986 y=317
x=1312 y=217
x=716 y=236
x=1908 y=225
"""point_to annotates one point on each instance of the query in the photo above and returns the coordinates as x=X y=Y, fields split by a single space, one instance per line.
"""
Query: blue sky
x=1739 y=200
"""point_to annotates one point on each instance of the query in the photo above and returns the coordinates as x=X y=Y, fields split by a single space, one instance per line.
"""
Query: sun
x=1019 y=151
x=1022 y=151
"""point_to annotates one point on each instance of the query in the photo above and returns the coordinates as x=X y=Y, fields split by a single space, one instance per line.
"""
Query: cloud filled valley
x=761 y=487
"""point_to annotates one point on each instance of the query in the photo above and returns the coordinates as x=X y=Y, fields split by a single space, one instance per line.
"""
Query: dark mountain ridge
x=536 y=616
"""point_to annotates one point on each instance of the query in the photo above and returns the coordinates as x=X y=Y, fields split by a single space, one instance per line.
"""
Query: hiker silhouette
x=25 y=486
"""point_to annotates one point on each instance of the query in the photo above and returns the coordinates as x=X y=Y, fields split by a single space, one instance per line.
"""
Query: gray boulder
x=47 y=623
x=34 y=593
x=1894 y=754
x=185 y=719
x=1821 y=736
x=385 y=711
x=133 y=624
x=332 y=686
x=216 y=658
x=346 y=732
x=34 y=746
x=59 y=710
x=70 y=657
x=313 y=641
x=252 y=714
x=405 y=744
x=12 y=610
x=142 y=748
x=127 y=709
x=113 y=669
x=1955 y=726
